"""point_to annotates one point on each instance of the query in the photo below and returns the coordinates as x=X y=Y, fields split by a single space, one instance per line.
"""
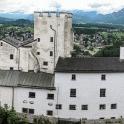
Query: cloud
x=28 y=6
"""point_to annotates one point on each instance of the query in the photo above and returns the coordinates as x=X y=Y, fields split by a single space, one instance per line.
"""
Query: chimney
x=122 y=53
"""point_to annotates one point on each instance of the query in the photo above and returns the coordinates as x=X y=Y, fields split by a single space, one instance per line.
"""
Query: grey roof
x=90 y=65
x=16 y=43
x=11 y=78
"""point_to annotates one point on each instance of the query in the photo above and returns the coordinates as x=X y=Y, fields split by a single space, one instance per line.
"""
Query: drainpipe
x=54 y=45
x=12 y=98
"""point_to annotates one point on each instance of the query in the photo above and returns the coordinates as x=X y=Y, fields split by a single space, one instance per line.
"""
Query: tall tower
x=53 y=31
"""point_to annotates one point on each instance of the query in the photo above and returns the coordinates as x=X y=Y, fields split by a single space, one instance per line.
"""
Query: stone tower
x=53 y=31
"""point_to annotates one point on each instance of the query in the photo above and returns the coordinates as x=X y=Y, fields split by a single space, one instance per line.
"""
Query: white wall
x=5 y=61
x=6 y=96
x=88 y=91
x=40 y=105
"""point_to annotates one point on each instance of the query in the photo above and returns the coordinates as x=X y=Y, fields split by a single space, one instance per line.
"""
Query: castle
x=38 y=75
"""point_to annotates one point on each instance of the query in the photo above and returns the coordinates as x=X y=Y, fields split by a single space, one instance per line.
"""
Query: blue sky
x=28 y=6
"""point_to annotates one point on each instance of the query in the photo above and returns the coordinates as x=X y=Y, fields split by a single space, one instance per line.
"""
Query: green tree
x=9 y=116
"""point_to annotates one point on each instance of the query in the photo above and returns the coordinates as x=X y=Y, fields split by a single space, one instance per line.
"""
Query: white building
x=89 y=88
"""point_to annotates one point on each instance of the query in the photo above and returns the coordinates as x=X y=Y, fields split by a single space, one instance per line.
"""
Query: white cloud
x=101 y=6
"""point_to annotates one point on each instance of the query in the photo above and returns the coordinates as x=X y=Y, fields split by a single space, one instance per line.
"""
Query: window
x=51 y=39
x=103 y=77
x=72 y=107
x=45 y=63
x=38 y=53
x=11 y=56
x=84 y=107
x=25 y=110
x=72 y=92
x=113 y=117
x=58 y=106
x=50 y=96
x=31 y=94
x=113 y=106
x=31 y=111
x=73 y=77
x=102 y=106
x=1 y=43
x=38 y=39
x=102 y=92
x=49 y=112
x=102 y=118
x=51 y=53
x=11 y=68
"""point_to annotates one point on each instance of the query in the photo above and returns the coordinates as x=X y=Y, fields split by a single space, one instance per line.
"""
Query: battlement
x=53 y=14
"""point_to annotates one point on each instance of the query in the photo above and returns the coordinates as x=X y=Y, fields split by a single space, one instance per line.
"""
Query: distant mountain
x=2 y=20
x=79 y=16
x=17 y=15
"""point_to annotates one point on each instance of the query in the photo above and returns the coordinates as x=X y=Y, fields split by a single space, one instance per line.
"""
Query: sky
x=29 y=6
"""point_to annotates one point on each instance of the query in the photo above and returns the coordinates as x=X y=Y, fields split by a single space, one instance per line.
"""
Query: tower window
x=73 y=77
x=38 y=39
x=31 y=94
x=102 y=106
x=51 y=53
x=72 y=107
x=103 y=77
x=45 y=63
x=51 y=39
x=11 y=56
x=72 y=92
x=38 y=53
x=102 y=92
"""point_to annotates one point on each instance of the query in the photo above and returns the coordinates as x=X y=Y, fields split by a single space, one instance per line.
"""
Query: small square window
x=31 y=94
x=72 y=92
x=113 y=106
x=51 y=53
x=11 y=68
x=102 y=106
x=50 y=96
x=38 y=39
x=24 y=110
x=11 y=56
x=49 y=112
x=102 y=92
x=31 y=111
x=72 y=107
x=73 y=77
x=58 y=106
x=38 y=53
x=103 y=77
x=51 y=39
x=84 y=107
x=45 y=63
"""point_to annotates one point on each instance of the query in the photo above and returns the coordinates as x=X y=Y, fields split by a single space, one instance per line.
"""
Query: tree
x=42 y=120
x=9 y=116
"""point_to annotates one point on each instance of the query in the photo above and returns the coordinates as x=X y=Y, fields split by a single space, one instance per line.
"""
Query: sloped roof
x=16 y=43
x=89 y=65
x=11 y=78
